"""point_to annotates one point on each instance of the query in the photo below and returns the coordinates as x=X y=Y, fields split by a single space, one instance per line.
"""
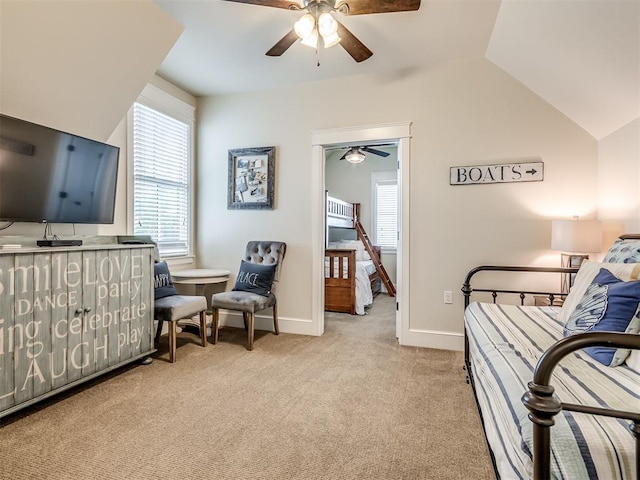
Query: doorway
x=370 y=180
x=399 y=134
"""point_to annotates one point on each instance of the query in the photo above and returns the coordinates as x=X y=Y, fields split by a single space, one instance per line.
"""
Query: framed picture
x=251 y=178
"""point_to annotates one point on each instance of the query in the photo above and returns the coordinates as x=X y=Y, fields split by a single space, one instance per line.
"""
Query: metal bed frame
x=539 y=399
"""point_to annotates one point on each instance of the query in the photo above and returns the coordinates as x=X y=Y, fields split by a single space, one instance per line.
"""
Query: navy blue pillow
x=255 y=278
x=609 y=304
x=162 y=283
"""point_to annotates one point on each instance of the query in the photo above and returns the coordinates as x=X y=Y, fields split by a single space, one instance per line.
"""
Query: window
x=384 y=186
x=161 y=179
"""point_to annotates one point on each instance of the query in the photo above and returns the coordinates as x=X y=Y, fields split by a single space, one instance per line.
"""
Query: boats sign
x=499 y=173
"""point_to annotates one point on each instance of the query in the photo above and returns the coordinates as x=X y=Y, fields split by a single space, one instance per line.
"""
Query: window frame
x=382 y=178
x=164 y=102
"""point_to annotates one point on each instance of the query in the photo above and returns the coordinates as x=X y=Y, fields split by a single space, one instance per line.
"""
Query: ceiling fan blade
x=380 y=153
x=283 y=44
x=352 y=45
x=362 y=7
x=286 y=4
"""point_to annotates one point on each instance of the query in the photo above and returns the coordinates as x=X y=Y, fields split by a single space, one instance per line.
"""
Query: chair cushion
x=177 y=307
x=242 y=301
x=162 y=283
x=255 y=278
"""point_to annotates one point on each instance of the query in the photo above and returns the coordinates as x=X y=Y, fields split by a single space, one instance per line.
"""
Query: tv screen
x=51 y=176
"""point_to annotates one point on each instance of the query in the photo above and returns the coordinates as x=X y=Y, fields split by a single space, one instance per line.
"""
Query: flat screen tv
x=54 y=177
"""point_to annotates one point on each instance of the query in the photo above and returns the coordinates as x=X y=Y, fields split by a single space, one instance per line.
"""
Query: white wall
x=619 y=181
x=465 y=112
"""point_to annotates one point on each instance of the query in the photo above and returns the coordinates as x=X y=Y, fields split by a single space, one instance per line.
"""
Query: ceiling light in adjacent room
x=354 y=156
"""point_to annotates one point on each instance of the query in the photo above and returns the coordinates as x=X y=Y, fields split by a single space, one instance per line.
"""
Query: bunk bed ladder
x=362 y=235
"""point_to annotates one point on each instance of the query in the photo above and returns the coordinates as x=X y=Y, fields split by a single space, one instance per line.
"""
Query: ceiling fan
x=318 y=25
x=357 y=154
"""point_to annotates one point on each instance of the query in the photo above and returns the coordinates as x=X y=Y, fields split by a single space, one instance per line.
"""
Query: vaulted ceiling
x=581 y=56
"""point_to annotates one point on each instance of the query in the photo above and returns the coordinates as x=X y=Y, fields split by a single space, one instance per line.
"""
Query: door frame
x=397 y=132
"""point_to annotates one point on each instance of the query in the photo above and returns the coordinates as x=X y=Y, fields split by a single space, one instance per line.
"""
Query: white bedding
x=506 y=342
x=364 y=295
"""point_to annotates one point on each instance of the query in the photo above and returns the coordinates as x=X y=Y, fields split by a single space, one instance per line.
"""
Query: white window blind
x=386 y=214
x=161 y=146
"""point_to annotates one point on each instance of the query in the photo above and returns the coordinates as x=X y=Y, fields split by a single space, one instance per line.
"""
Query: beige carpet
x=351 y=404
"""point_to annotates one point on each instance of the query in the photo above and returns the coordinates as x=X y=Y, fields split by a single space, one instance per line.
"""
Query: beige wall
x=466 y=112
x=78 y=67
x=462 y=113
x=619 y=181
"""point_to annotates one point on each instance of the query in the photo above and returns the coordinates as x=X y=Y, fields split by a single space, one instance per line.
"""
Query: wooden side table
x=544 y=301
x=200 y=278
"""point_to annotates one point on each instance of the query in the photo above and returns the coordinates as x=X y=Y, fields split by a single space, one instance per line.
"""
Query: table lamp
x=575 y=239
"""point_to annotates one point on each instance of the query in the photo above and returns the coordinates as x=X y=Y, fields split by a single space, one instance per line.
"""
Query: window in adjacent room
x=161 y=146
x=384 y=187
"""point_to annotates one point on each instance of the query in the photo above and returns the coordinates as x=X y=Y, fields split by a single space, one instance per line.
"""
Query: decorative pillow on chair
x=608 y=305
x=588 y=271
x=255 y=278
x=162 y=283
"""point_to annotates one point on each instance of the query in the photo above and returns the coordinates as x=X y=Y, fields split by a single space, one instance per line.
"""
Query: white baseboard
x=265 y=322
x=414 y=338
x=434 y=339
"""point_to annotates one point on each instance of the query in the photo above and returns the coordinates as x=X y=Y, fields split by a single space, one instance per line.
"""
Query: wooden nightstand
x=543 y=301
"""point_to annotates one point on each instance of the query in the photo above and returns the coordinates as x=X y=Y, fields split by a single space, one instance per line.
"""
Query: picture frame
x=251 y=178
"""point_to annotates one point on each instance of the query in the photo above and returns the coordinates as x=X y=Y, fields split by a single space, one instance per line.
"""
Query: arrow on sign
x=533 y=171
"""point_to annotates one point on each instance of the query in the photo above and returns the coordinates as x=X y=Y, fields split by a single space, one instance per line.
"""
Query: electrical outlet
x=448 y=296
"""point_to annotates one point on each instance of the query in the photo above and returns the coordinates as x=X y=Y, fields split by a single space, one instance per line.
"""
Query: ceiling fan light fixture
x=311 y=40
x=328 y=28
x=331 y=40
x=305 y=26
x=327 y=25
x=354 y=156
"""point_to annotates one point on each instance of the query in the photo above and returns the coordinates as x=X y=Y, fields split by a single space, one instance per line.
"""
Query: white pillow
x=358 y=246
x=633 y=360
x=588 y=271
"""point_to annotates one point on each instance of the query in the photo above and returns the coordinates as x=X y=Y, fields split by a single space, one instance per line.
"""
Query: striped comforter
x=505 y=343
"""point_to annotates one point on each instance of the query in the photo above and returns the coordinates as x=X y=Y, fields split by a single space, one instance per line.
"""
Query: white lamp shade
x=576 y=236
x=330 y=40
x=311 y=40
x=327 y=25
x=305 y=25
